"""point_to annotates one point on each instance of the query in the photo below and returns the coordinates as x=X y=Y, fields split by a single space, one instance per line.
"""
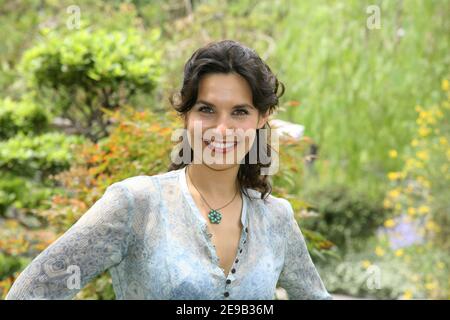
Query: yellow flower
x=389 y=223
x=422 y=155
x=407 y=295
x=387 y=204
x=424 y=115
x=432 y=226
x=424 y=210
x=443 y=141
x=393 y=176
x=431 y=285
x=379 y=251
x=426 y=183
x=415 y=142
x=395 y=193
x=399 y=252
x=410 y=164
x=445 y=85
x=411 y=211
x=440 y=265
x=418 y=108
x=366 y=264
x=424 y=131
x=393 y=153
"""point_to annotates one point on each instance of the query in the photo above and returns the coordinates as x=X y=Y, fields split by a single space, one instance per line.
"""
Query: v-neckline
x=202 y=221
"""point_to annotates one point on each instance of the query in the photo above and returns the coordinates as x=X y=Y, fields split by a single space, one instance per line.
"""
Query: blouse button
x=226 y=294
x=246 y=229
x=240 y=251
x=233 y=270
x=228 y=281
x=237 y=260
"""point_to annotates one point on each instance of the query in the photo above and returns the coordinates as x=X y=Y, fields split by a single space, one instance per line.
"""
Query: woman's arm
x=299 y=276
x=96 y=242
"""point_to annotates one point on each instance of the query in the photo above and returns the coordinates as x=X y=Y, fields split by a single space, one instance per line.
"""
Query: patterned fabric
x=149 y=234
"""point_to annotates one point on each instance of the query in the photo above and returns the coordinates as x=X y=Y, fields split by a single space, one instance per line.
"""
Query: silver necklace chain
x=205 y=199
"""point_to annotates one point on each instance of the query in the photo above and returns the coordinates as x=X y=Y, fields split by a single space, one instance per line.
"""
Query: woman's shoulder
x=275 y=205
x=143 y=185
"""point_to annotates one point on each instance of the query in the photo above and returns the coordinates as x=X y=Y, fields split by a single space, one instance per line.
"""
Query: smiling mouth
x=221 y=147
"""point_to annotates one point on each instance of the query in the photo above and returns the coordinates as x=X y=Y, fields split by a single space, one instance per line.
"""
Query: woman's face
x=221 y=125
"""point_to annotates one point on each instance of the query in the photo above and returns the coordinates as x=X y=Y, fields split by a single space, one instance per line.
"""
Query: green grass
x=358 y=87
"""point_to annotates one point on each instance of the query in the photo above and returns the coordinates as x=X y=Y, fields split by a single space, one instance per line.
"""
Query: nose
x=223 y=128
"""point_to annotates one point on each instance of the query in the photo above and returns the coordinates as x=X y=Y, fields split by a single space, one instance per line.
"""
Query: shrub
x=18 y=245
x=24 y=116
x=28 y=156
x=85 y=71
x=344 y=215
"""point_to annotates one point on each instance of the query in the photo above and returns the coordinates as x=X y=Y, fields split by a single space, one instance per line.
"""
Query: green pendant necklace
x=214 y=215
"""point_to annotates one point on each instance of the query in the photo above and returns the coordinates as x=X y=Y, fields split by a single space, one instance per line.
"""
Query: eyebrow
x=236 y=106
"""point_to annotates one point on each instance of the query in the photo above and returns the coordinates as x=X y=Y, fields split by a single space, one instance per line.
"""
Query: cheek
x=194 y=125
x=248 y=128
x=195 y=134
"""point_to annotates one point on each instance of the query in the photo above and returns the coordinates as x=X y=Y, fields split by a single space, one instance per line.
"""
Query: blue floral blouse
x=149 y=234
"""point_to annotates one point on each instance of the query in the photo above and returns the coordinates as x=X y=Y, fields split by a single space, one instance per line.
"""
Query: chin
x=217 y=166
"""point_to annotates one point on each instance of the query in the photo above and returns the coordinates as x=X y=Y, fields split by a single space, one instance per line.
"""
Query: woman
x=206 y=229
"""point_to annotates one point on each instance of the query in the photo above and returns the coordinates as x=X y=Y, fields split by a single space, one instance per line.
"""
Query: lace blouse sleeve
x=299 y=276
x=96 y=242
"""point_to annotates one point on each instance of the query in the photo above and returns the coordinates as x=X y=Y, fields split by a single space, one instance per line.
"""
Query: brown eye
x=205 y=109
x=241 y=112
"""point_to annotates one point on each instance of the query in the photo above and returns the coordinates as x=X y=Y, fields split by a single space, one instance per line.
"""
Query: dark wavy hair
x=229 y=56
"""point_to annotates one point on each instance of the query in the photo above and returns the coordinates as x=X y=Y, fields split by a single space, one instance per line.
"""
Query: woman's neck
x=214 y=184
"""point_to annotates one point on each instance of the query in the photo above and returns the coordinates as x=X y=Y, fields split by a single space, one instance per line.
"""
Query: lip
x=220 y=150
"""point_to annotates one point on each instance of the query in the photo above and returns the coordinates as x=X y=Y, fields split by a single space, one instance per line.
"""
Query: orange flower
x=164 y=131
x=294 y=103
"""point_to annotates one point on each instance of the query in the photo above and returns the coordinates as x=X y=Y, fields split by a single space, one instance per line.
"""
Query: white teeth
x=222 y=145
